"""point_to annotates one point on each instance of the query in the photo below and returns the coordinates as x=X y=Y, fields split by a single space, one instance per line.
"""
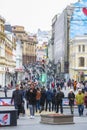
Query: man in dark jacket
x=48 y=99
x=42 y=99
x=59 y=97
x=17 y=99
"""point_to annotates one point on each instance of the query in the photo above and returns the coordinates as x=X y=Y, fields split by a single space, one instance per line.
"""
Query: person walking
x=80 y=102
x=59 y=98
x=71 y=97
x=5 y=90
x=31 y=98
x=17 y=99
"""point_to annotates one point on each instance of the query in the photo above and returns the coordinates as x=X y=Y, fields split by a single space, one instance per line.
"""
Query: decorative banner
x=4 y=119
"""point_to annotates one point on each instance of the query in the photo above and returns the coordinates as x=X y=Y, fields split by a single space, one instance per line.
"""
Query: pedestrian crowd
x=39 y=98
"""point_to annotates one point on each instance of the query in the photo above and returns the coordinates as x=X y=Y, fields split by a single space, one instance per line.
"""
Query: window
x=83 y=48
x=79 y=48
x=81 y=61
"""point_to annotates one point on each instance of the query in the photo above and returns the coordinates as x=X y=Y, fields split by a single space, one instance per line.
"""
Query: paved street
x=33 y=124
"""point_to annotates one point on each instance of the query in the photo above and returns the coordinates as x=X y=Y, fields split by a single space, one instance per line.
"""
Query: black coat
x=17 y=97
x=43 y=97
x=59 y=96
x=71 y=97
x=31 y=96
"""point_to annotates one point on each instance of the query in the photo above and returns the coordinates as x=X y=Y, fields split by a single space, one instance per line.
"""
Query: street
x=33 y=124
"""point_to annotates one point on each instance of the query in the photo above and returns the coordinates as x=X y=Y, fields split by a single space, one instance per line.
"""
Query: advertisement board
x=4 y=119
x=6 y=102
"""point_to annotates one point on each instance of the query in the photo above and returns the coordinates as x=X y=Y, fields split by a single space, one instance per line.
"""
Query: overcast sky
x=32 y=14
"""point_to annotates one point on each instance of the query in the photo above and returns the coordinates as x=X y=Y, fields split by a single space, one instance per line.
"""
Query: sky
x=32 y=14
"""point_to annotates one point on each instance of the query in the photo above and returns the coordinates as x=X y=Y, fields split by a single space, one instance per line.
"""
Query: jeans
x=72 y=109
x=37 y=105
x=80 y=109
x=59 y=105
x=32 y=110
x=48 y=103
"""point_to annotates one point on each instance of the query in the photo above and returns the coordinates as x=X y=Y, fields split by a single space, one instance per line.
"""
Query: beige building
x=78 y=58
x=28 y=42
x=7 y=52
x=2 y=51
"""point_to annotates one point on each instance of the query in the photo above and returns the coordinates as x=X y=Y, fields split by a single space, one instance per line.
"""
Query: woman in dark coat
x=71 y=97
x=31 y=98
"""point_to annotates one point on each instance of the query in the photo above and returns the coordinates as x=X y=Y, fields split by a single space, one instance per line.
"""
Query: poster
x=4 y=119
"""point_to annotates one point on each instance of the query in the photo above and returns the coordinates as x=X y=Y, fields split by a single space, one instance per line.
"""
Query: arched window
x=81 y=61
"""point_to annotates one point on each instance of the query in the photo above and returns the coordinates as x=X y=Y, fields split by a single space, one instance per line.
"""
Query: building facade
x=28 y=44
x=2 y=51
x=60 y=40
x=78 y=58
x=7 y=55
